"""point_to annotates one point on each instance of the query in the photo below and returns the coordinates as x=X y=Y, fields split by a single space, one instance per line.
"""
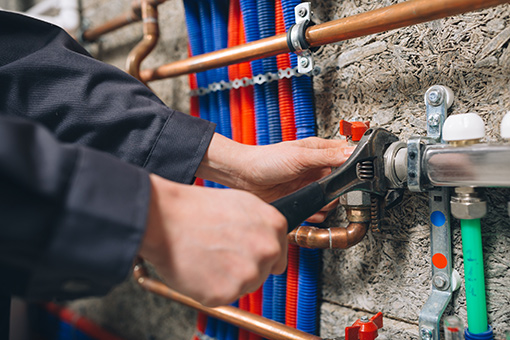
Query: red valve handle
x=364 y=330
x=354 y=130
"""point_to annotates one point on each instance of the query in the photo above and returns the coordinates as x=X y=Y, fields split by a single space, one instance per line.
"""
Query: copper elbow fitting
x=336 y=237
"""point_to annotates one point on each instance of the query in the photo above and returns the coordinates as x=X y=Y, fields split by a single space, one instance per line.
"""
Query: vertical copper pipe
x=404 y=14
x=266 y=328
x=149 y=41
x=337 y=237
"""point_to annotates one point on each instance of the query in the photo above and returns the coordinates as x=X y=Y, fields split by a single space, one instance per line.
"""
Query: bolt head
x=433 y=120
x=439 y=282
x=304 y=62
x=426 y=334
x=302 y=12
x=435 y=97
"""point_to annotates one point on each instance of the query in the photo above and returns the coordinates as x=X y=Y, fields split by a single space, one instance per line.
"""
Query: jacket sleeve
x=72 y=218
x=46 y=76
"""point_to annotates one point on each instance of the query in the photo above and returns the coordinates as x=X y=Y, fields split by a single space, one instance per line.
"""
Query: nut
x=468 y=210
x=355 y=198
x=358 y=214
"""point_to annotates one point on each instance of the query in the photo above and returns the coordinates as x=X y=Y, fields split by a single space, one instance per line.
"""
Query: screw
x=433 y=120
x=435 y=97
x=304 y=62
x=439 y=282
x=426 y=334
x=364 y=318
x=302 y=12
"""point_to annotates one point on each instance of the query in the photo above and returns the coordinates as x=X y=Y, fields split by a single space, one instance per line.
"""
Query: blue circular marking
x=437 y=218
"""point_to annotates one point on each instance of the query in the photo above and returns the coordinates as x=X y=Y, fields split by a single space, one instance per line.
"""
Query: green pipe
x=474 y=276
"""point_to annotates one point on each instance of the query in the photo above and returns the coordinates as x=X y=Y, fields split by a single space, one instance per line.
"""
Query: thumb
x=329 y=157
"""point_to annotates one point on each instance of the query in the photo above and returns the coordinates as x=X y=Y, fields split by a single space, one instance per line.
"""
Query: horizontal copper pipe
x=149 y=41
x=395 y=16
x=255 y=50
x=266 y=328
x=134 y=15
x=334 y=238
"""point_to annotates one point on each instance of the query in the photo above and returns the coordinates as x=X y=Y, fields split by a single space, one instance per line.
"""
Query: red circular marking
x=439 y=260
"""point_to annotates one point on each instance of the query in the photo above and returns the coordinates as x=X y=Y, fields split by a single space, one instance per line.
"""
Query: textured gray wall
x=385 y=83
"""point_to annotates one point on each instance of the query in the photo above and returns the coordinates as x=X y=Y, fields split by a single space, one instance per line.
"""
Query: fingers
x=329 y=157
x=320 y=143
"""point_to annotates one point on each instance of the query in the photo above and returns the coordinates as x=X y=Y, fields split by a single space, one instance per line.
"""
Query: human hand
x=213 y=245
x=274 y=171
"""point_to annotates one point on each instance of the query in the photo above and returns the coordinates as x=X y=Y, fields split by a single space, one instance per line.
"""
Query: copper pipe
x=404 y=14
x=134 y=15
x=337 y=237
x=149 y=41
x=266 y=328
x=255 y=50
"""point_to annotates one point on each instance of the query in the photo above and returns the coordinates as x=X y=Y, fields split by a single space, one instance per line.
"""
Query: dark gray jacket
x=77 y=140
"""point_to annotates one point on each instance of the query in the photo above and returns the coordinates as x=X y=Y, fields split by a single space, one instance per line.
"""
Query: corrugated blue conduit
x=267 y=298
x=309 y=259
x=250 y=18
x=219 y=10
x=219 y=36
x=193 y=25
x=266 y=23
x=200 y=35
x=204 y=8
x=219 y=13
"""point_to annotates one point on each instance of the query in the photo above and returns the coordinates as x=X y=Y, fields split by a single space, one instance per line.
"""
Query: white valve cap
x=463 y=127
x=505 y=126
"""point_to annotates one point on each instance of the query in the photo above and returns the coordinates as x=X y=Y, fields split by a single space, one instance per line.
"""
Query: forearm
x=224 y=162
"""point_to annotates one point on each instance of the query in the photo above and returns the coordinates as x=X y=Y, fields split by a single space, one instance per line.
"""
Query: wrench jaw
x=364 y=170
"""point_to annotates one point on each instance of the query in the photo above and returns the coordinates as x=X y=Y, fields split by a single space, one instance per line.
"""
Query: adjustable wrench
x=364 y=170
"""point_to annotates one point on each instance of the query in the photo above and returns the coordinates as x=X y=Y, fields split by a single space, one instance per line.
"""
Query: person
x=95 y=169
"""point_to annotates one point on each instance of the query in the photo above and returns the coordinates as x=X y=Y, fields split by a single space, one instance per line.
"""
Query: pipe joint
x=467 y=204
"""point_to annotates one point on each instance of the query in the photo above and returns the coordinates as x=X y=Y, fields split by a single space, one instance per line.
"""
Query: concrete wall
x=384 y=82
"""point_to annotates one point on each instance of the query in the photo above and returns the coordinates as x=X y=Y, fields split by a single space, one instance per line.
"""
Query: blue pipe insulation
x=219 y=9
x=302 y=88
x=308 y=278
x=232 y=331
x=279 y=297
x=266 y=23
x=251 y=29
x=212 y=326
x=196 y=38
x=309 y=259
x=267 y=297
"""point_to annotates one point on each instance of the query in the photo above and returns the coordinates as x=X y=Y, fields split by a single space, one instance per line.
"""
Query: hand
x=273 y=171
x=213 y=245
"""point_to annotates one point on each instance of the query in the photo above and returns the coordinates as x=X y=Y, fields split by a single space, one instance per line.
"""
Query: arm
x=49 y=78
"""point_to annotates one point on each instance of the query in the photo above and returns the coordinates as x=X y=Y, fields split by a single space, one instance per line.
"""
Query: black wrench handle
x=301 y=204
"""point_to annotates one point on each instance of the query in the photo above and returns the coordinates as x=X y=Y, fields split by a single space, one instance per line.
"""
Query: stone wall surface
x=381 y=78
